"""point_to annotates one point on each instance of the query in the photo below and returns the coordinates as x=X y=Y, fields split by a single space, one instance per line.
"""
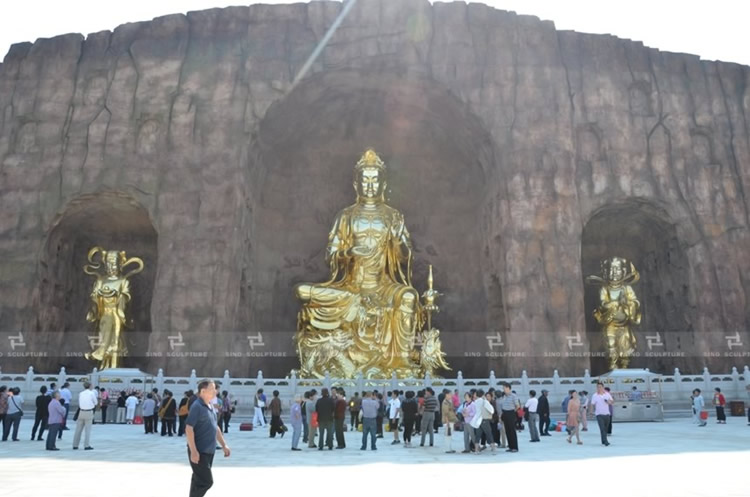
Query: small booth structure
x=128 y=380
x=118 y=379
x=637 y=394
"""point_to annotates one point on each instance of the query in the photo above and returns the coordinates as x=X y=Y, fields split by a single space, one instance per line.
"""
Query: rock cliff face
x=520 y=156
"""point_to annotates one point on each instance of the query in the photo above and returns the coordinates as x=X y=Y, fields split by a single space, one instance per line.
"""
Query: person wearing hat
x=543 y=411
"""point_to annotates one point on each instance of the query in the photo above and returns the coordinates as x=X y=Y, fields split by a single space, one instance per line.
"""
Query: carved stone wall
x=508 y=141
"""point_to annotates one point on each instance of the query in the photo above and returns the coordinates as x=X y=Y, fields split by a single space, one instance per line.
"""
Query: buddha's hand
x=360 y=251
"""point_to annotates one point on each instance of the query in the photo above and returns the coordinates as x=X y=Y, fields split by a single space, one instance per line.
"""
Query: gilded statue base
x=335 y=353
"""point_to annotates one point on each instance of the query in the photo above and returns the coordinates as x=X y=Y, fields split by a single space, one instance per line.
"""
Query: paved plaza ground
x=674 y=458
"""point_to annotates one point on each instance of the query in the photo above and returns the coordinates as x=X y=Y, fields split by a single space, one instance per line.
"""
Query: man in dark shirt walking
x=325 y=408
x=202 y=431
x=277 y=426
x=543 y=410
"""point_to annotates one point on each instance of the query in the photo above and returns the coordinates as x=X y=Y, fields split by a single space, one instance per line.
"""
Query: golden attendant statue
x=109 y=300
x=619 y=309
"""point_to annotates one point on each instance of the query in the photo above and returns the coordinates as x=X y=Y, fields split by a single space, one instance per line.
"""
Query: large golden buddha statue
x=367 y=317
x=619 y=309
x=110 y=297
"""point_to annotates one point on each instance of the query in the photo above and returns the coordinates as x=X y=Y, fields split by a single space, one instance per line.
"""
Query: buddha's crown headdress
x=629 y=274
x=370 y=159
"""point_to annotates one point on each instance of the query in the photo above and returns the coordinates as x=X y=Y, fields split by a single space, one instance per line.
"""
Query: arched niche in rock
x=114 y=221
x=440 y=160
x=641 y=231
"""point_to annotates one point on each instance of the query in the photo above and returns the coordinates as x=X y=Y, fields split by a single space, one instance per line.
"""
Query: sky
x=714 y=30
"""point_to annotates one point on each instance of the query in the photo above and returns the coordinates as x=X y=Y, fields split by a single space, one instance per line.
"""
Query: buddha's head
x=369 y=178
x=113 y=262
x=614 y=270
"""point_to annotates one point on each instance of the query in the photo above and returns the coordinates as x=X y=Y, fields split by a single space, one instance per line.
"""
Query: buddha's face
x=113 y=264
x=370 y=183
x=616 y=270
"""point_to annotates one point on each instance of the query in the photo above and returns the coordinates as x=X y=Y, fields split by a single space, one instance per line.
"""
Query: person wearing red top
x=339 y=417
x=720 y=403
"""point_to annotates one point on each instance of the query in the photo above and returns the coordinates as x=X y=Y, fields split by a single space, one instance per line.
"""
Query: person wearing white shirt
x=258 y=406
x=394 y=413
x=600 y=403
x=482 y=419
x=532 y=405
x=698 y=406
x=86 y=404
x=67 y=397
x=130 y=404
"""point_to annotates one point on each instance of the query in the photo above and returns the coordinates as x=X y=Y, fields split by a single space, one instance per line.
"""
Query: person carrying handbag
x=168 y=414
x=182 y=412
x=14 y=414
x=698 y=408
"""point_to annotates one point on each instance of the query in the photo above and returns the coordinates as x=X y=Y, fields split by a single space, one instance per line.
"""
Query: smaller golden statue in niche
x=619 y=309
x=110 y=297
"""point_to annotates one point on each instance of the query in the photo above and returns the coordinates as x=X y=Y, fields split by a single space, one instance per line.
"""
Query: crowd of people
x=488 y=420
x=53 y=406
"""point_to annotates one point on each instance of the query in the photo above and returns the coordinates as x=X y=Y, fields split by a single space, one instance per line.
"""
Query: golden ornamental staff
x=110 y=297
x=431 y=355
x=429 y=296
